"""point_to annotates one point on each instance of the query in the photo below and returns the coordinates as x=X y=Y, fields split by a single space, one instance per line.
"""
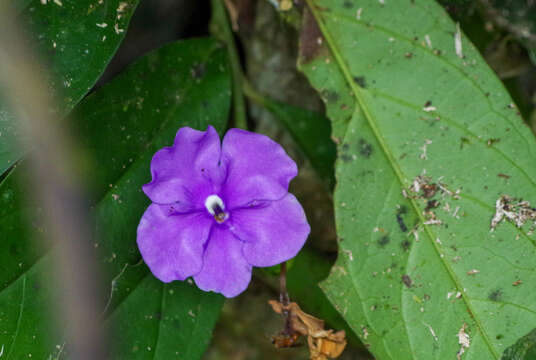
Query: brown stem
x=283 y=294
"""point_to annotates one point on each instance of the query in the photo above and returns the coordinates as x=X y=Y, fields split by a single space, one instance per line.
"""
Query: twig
x=283 y=293
x=223 y=31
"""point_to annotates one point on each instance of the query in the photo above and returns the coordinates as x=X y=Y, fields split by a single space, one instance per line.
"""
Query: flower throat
x=216 y=208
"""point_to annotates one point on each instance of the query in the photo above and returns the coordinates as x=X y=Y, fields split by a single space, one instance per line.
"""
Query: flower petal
x=172 y=245
x=224 y=268
x=187 y=171
x=272 y=233
x=257 y=167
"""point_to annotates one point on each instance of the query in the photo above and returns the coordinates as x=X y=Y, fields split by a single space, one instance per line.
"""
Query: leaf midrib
x=398 y=36
x=371 y=122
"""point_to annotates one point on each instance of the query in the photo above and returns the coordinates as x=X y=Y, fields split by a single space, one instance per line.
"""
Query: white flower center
x=215 y=207
x=214 y=204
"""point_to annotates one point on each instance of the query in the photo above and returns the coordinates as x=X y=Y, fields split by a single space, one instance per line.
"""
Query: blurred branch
x=56 y=189
x=221 y=28
x=519 y=31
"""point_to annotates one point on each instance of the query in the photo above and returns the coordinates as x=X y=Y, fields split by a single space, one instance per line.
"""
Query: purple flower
x=218 y=210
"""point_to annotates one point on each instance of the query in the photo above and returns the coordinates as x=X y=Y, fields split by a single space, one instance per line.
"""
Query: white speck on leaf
x=423 y=148
x=58 y=2
x=516 y=212
x=365 y=333
x=122 y=6
x=431 y=331
x=358 y=14
x=458 y=41
x=117 y=29
x=463 y=340
x=415 y=233
x=429 y=108
x=103 y=25
x=473 y=272
x=428 y=41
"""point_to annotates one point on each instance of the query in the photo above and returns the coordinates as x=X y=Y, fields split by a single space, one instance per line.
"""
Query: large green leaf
x=75 y=40
x=121 y=126
x=404 y=104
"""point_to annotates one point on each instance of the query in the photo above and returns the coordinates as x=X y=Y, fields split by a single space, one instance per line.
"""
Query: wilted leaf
x=323 y=344
x=429 y=140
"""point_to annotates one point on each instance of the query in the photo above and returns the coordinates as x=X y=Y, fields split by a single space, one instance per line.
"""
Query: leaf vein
x=394 y=34
x=371 y=122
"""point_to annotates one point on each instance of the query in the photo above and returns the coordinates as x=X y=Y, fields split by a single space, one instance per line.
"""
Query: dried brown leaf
x=323 y=344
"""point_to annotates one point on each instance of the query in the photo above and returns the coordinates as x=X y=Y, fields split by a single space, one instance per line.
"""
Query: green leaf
x=121 y=126
x=302 y=281
x=523 y=349
x=164 y=321
x=310 y=130
x=74 y=41
x=403 y=104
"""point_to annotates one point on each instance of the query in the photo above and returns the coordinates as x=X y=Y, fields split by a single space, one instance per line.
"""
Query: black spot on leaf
x=431 y=204
x=400 y=220
x=364 y=148
x=495 y=295
x=361 y=81
x=407 y=280
x=346 y=158
x=384 y=240
x=330 y=95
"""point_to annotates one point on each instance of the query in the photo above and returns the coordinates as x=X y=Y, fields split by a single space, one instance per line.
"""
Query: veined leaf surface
x=429 y=140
